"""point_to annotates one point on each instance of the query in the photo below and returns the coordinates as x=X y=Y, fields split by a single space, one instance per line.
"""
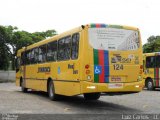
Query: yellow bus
x=151 y=70
x=87 y=60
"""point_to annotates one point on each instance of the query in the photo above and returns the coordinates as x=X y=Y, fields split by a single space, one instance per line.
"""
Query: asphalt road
x=12 y=100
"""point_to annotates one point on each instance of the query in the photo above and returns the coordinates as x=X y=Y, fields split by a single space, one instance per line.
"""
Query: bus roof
x=151 y=54
x=50 y=39
x=76 y=30
x=110 y=26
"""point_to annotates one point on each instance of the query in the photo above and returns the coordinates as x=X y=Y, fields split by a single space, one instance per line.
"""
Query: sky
x=63 y=15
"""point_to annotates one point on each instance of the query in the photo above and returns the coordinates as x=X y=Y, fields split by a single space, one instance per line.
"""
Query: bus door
x=115 y=53
x=157 y=71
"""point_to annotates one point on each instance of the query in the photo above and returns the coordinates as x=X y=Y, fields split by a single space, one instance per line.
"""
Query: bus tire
x=149 y=84
x=92 y=96
x=51 y=91
x=23 y=89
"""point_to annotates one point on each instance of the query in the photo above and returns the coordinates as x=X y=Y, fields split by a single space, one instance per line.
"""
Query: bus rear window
x=113 y=39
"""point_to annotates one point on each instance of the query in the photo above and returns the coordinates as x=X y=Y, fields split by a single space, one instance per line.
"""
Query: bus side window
x=67 y=48
x=42 y=54
x=27 y=57
x=36 y=55
x=150 y=62
x=61 y=49
x=32 y=58
x=64 y=48
x=52 y=51
x=75 y=46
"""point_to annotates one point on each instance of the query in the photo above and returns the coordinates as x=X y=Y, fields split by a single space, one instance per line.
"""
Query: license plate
x=115 y=85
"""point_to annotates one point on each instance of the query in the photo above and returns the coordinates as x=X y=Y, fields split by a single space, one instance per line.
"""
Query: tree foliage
x=152 y=45
x=12 y=39
x=4 y=49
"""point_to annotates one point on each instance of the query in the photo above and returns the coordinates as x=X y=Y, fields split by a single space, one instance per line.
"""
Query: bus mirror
x=82 y=26
x=17 y=69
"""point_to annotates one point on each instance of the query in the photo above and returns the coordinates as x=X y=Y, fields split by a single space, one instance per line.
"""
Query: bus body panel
x=117 y=71
x=112 y=77
x=89 y=87
x=73 y=77
x=151 y=72
x=67 y=88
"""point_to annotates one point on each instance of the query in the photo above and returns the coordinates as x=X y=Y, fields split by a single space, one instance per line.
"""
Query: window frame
x=36 y=59
x=63 y=48
x=26 y=55
x=27 y=59
x=39 y=62
x=32 y=51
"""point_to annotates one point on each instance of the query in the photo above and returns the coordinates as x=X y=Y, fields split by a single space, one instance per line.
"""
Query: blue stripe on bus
x=106 y=66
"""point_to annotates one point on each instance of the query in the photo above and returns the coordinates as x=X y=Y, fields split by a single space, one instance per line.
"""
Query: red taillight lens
x=141 y=66
x=86 y=66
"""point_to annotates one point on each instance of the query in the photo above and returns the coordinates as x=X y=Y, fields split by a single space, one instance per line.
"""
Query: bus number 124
x=118 y=67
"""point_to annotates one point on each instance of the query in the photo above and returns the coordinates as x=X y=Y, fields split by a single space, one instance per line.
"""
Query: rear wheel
x=23 y=89
x=149 y=84
x=92 y=96
x=51 y=91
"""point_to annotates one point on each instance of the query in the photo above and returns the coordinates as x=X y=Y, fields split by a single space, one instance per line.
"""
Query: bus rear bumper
x=89 y=87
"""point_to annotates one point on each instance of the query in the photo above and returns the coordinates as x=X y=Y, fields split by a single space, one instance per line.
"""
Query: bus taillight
x=87 y=71
x=141 y=66
x=87 y=66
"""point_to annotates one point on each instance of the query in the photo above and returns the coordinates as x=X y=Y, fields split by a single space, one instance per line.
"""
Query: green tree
x=13 y=39
x=152 y=45
x=4 y=49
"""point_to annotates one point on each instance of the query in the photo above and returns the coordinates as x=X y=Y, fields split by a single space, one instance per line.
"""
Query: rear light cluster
x=141 y=66
x=141 y=69
x=87 y=72
x=87 y=69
